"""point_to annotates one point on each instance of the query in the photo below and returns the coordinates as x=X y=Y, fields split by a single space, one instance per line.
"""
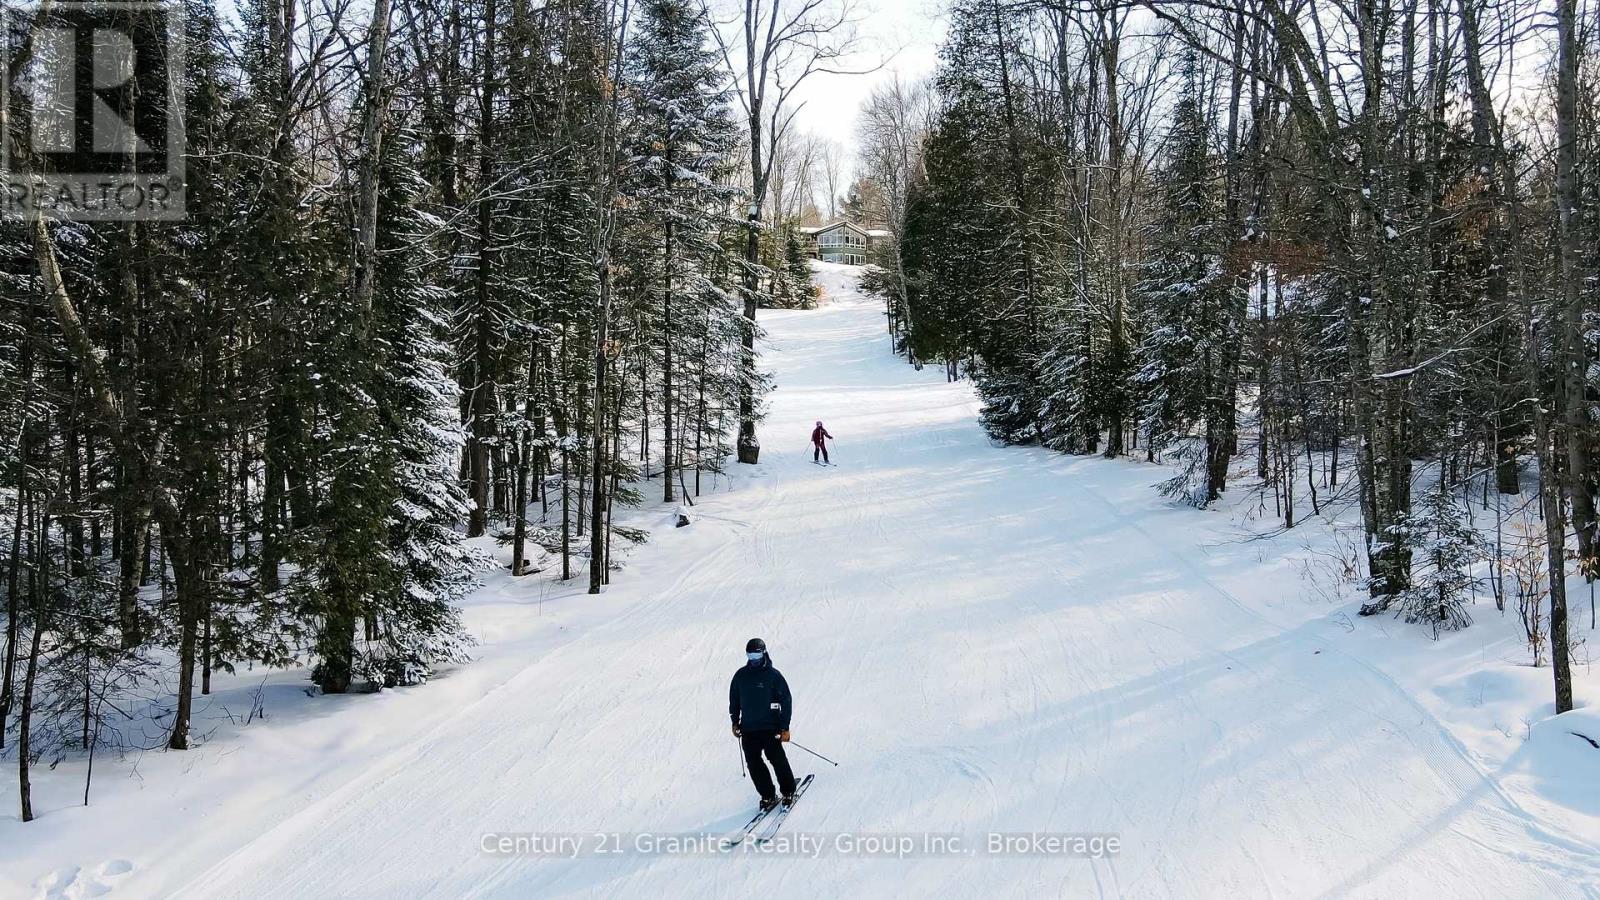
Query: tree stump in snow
x=749 y=449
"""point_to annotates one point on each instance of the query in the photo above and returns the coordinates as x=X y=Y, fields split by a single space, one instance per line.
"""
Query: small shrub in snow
x=1190 y=483
x=1444 y=549
x=1524 y=558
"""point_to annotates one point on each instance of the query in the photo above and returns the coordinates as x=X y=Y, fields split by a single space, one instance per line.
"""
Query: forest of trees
x=451 y=269
x=468 y=270
x=1351 y=249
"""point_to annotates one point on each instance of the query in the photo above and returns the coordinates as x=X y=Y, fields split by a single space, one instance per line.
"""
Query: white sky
x=895 y=37
x=902 y=36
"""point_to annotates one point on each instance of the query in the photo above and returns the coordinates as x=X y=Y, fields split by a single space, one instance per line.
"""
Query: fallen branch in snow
x=1592 y=742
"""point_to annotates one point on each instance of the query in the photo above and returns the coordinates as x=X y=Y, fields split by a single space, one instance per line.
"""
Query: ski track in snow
x=984 y=641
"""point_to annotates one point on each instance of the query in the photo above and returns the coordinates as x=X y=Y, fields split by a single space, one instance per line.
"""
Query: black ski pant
x=756 y=743
x=820 y=450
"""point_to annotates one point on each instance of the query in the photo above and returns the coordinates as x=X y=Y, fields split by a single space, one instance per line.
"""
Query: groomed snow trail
x=984 y=640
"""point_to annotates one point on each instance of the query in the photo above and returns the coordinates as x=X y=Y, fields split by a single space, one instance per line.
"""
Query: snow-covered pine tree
x=1447 y=546
x=944 y=210
x=1186 y=294
x=681 y=132
x=796 y=272
x=419 y=624
x=350 y=574
x=531 y=322
x=974 y=246
x=277 y=247
x=387 y=553
x=1073 y=384
x=712 y=364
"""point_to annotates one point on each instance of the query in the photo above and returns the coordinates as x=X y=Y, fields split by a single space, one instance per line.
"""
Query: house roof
x=813 y=230
x=835 y=226
x=846 y=223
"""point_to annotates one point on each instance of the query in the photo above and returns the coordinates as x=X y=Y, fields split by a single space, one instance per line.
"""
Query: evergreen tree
x=974 y=246
x=793 y=288
x=682 y=132
x=1447 y=545
x=418 y=621
x=1185 y=291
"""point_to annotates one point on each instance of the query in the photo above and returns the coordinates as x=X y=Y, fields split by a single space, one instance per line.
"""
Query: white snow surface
x=986 y=639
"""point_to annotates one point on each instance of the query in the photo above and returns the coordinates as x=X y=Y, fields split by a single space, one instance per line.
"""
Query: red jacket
x=818 y=433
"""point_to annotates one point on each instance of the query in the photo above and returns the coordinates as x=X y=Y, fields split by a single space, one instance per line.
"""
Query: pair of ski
x=818 y=462
x=765 y=824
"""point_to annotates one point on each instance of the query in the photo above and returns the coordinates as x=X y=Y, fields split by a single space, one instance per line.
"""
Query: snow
x=987 y=639
x=837 y=281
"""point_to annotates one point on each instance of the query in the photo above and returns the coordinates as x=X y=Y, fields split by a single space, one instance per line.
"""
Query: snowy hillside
x=837 y=282
x=987 y=640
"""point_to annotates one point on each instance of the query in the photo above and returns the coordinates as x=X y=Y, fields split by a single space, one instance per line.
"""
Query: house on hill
x=842 y=242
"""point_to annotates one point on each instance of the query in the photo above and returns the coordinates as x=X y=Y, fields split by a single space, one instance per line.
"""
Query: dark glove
x=736 y=731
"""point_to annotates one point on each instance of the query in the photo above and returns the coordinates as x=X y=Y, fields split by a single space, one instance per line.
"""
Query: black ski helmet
x=756 y=645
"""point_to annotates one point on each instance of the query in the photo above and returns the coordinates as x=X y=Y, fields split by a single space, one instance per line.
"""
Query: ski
x=738 y=837
x=770 y=828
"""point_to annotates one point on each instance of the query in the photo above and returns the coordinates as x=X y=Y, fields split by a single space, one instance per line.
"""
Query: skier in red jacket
x=818 y=437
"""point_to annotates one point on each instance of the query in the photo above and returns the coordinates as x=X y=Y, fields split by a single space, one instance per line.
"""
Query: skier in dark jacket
x=819 y=438
x=760 y=706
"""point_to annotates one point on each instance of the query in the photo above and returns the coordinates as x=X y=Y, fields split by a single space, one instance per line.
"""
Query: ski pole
x=814 y=753
x=740 y=748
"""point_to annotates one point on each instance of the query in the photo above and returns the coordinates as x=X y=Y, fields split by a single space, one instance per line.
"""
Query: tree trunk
x=14 y=569
x=666 y=352
x=566 y=515
x=748 y=447
x=25 y=719
x=1485 y=133
x=190 y=602
x=1117 y=337
x=525 y=451
x=597 y=503
x=1573 y=375
x=372 y=114
x=482 y=387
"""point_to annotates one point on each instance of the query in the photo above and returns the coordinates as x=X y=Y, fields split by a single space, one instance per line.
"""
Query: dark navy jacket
x=758 y=698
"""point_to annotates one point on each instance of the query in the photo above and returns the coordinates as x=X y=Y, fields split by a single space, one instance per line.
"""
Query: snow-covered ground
x=986 y=639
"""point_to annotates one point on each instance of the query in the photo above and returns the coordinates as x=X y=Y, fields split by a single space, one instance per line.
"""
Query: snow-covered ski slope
x=986 y=639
